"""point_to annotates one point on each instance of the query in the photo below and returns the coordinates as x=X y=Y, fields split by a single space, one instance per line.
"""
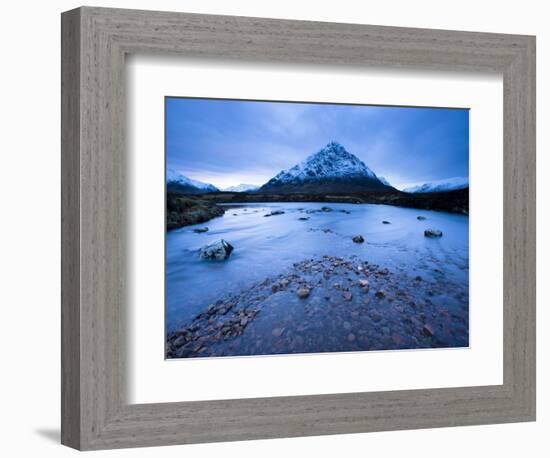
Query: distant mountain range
x=176 y=182
x=242 y=188
x=449 y=184
x=330 y=170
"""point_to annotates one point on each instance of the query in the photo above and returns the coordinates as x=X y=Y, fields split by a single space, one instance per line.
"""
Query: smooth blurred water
x=267 y=246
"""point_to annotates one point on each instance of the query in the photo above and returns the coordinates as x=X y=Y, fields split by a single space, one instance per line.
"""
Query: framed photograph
x=325 y=255
x=280 y=228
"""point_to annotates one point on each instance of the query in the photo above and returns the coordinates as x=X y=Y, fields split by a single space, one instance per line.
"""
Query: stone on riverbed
x=433 y=233
x=303 y=293
x=217 y=250
x=200 y=230
x=428 y=330
x=358 y=239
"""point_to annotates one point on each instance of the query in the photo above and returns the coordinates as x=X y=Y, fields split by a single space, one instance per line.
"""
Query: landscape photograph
x=300 y=227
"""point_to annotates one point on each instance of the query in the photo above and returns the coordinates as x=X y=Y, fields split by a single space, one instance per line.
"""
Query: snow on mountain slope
x=332 y=169
x=383 y=180
x=448 y=184
x=177 y=182
x=242 y=188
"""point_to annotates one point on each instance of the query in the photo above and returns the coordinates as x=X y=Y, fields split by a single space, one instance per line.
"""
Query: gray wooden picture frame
x=95 y=412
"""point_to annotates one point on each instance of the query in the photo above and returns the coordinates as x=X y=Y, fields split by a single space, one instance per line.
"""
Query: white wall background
x=29 y=230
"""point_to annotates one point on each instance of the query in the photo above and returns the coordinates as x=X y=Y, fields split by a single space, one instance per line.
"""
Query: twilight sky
x=228 y=142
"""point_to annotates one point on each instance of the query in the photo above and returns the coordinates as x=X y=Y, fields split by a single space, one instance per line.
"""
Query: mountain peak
x=331 y=169
x=175 y=181
x=243 y=187
x=335 y=149
x=447 y=184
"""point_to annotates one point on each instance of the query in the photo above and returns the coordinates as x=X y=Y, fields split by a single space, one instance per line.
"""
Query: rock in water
x=275 y=212
x=217 y=250
x=432 y=233
x=200 y=230
x=420 y=218
x=303 y=293
x=358 y=239
x=386 y=222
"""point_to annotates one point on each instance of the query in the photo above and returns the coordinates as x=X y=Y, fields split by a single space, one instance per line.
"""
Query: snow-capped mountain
x=242 y=188
x=332 y=169
x=177 y=182
x=448 y=184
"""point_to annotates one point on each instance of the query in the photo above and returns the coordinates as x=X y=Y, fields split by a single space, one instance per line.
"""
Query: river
x=267 y=247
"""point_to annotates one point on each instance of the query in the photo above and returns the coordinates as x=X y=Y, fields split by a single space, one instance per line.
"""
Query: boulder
x=217 y=250
x=358 y=239
x=433 y=233
x=386 y=222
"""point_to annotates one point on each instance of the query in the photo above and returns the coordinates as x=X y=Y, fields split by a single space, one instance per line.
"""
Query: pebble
x=375 y=316
x=347 y=296
x=428 y=330
x=277 y=332
x=303 y=293
x=358 y=239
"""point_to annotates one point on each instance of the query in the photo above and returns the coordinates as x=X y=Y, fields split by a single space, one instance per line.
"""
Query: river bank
x=188 y=209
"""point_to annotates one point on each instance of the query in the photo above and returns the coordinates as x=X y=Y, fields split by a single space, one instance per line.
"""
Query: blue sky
x=228 y=142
